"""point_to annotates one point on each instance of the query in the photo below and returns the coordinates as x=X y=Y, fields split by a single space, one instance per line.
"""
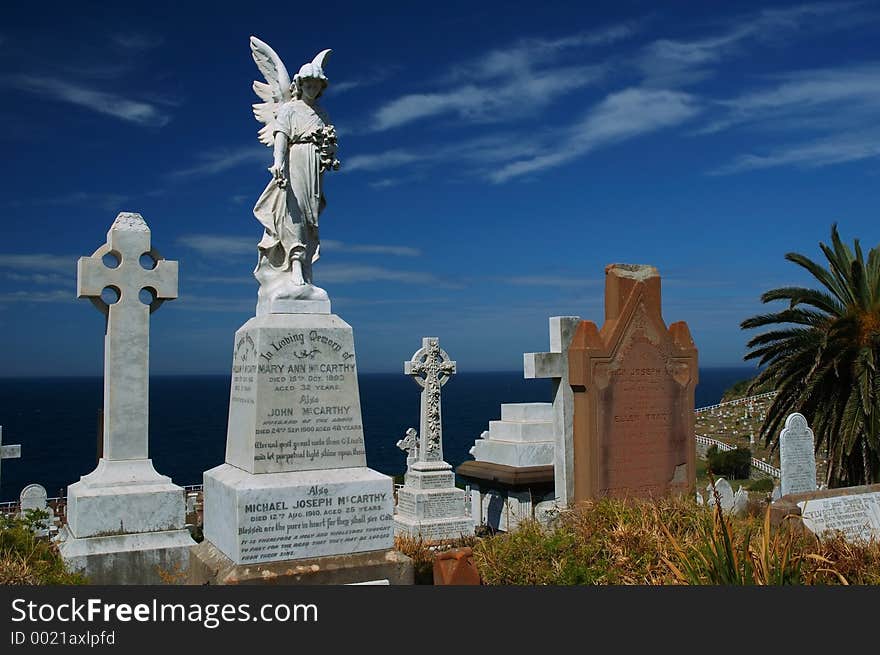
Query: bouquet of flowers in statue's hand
x=326 y=142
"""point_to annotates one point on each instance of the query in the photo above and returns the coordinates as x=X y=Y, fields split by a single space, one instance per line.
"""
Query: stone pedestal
x=430 y=507
x=208 y=565
x=126 y=525
x=295 y=486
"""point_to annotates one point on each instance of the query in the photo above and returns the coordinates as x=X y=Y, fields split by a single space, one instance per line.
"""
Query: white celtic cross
x=138 y=268
x=8 y=452
x=431 y=368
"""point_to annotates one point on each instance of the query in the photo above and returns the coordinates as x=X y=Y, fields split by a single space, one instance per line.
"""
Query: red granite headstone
x=633 y=384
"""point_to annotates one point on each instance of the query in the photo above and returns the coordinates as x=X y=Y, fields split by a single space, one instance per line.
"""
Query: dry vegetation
x=667 y=543
x=26 y=559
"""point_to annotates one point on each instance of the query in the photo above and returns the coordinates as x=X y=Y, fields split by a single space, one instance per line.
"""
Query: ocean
x=55 y=421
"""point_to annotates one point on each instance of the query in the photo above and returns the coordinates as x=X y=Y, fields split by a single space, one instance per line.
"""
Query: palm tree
x=822 y=358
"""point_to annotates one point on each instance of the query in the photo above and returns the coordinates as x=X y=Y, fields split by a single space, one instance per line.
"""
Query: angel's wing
x=275 y=91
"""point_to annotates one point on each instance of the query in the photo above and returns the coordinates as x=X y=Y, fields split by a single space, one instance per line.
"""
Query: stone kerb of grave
x=633 y=384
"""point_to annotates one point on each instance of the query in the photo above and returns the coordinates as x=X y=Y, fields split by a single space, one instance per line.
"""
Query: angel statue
x=304 y=146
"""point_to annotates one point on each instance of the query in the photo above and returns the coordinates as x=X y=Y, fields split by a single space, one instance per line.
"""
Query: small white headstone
x=700 y=500
x=34 y=497
x=796 y=456
x=725 y=494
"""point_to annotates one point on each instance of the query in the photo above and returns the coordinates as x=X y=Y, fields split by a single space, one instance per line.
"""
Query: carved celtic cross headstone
x=127 y=265
x=431 y=368
x=410 y=444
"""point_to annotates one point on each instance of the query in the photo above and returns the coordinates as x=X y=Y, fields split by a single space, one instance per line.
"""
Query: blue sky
x=495 y=157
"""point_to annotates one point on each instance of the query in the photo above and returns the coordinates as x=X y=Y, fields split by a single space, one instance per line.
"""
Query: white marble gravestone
x=295 y=483
x=725 y=494
x=125 y=521
x=856 y=516
x=429 y=505
x=797 y=456
x=34 y=497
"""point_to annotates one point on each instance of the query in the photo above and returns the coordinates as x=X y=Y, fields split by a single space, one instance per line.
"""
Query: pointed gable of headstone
x=633 y=382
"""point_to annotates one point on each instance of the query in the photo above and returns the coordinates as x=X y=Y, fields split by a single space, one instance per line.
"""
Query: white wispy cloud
x=824 y=98
x=219 y=245
x=40 y=278
x=620 y=116
x=827 y=117
x=57 y=296
x=523 y=95
x=505 y=83
x=213 y=244
x=526 y=54
x=107 y=201
x=380 y=161
x=386 y=183
x=329 y=245
x=813 y=154
x=370 y=78
x=344 y=273
x=102 y=102
x=196 y=303
x=219 y=161
x=39 y=262
x=549 y=281
x=676 y=62
x=136 y=41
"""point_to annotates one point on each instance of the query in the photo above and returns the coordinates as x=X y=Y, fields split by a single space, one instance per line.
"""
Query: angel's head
x=309 y=83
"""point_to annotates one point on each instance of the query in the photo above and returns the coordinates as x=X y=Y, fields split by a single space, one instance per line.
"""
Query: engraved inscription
x=298 y=390
x=322 y=520
x=856 y=516
x=640 y=412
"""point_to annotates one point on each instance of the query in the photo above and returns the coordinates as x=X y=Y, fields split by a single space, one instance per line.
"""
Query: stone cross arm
x=8 y=452
x=127 y=242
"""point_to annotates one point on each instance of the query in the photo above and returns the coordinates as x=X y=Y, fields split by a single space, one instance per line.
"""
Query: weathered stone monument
x=512 y=477
x=523 y=463
x=12 y=451
x=633 y=385
x=294 y=501
x=125 y=521
x=797 y=458
x=429 y=506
